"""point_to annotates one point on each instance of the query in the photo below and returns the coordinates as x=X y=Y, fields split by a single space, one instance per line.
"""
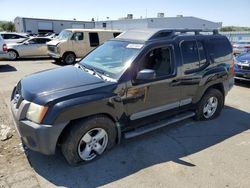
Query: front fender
x=85 y=106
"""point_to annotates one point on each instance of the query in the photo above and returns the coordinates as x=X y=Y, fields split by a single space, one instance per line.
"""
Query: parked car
x=241 y=47
x=242 y=67
x=10 y=37
x=3 y=48
x=133 y=84
x=32 y=47
x=76 y=43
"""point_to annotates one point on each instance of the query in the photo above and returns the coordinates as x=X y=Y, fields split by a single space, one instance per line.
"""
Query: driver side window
x=159 y=60
x=77 y=36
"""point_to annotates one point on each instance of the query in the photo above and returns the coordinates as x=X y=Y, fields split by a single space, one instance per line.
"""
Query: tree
x=8 y=26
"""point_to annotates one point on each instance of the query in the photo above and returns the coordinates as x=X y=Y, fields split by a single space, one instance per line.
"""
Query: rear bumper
x=38 y=137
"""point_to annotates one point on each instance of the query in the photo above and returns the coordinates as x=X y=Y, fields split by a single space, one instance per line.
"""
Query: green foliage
x=233 y=28
x=7 y=26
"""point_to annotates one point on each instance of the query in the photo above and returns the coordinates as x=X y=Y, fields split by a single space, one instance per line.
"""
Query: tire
x=77 y=144
x=12 y=55
x=69 y=58
x=210 y=105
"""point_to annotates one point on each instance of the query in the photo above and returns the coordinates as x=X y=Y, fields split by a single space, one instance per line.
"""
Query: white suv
x=3 y=48
x=10 y=37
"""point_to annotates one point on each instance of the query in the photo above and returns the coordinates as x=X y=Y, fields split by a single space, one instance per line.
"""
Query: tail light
x=247 y=46
x=5 y=49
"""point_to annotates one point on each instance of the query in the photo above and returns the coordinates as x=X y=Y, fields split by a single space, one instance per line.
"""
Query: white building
x=35 y=25
x=162 y=22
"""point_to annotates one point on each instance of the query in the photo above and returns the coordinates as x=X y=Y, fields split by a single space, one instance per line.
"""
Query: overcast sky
x=230 y=12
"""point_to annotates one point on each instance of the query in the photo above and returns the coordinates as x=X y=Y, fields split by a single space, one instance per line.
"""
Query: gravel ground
x=188 y=154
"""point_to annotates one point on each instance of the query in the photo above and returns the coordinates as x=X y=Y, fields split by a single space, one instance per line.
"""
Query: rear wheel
x=12 y=54
x=69 y=58
x=210 y=105
x=88 y=139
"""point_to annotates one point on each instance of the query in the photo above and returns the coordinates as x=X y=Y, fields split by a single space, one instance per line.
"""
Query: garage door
x=45 y=26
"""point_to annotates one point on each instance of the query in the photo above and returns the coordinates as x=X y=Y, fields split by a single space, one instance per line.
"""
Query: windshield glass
x=112 y=58
x=64 y=35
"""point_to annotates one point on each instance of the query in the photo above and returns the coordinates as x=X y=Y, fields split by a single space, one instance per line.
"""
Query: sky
x=230 y=12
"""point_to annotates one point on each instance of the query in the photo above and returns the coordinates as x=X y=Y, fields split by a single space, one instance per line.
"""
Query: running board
x=157 y=125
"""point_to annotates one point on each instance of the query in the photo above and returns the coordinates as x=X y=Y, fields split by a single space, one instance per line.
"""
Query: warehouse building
x=178 y=22
x=35 y=25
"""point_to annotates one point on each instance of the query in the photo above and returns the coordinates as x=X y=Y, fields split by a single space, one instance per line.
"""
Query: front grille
x=52 y=48
x=244 y=67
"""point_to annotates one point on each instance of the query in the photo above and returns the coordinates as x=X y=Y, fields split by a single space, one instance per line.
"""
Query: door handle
x=175 y=82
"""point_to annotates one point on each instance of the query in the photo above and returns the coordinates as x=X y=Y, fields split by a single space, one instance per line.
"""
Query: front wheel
x=210 y=105
x=88 y=139
x=69 y=58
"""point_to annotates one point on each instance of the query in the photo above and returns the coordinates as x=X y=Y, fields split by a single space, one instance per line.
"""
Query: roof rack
x=152 y=34
x=173 y=32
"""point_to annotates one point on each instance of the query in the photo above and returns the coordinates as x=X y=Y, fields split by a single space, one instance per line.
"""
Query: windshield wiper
x=83 y=67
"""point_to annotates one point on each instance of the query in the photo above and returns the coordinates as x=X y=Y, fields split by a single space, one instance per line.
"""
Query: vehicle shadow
x=242 y=83
x=29 y=59
x=167 y=144
x=7 y=68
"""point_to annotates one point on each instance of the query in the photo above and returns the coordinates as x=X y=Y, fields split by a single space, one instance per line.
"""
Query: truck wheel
x=69 y=58
x=210 y=105
x=12 y=54
x=88 y=139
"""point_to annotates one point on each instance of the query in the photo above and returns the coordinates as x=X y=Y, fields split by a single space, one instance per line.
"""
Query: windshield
x=64 y=35
x=112 y=58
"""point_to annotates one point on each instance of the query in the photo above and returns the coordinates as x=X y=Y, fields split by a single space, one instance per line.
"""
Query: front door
x=158 y=95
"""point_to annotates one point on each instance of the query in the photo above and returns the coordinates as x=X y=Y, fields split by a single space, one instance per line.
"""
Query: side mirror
x=146 y=75
x=26 y=43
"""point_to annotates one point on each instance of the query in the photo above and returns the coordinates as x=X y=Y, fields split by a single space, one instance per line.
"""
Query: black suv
x=130 y=85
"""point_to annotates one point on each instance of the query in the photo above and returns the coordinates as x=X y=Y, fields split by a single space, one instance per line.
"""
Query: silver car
x=33 y=47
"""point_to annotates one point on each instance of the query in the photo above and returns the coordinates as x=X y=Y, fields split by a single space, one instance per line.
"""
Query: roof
x=45 y=19
x=150 y=34
x=93 y=30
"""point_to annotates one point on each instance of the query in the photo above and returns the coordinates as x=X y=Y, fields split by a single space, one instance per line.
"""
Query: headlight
x=36 y=112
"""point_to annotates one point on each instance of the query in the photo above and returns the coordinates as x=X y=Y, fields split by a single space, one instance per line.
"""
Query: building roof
x=92 y=30
x=46 y=19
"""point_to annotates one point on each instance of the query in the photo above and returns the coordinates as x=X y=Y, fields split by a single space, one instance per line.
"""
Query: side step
x=157 y=125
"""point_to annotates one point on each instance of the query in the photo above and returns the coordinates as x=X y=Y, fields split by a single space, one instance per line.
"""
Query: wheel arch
x=11 y=49
x=69 y=126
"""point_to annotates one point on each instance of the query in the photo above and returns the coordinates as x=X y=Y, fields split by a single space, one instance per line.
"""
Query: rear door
x=194 y=61
x=42 y=49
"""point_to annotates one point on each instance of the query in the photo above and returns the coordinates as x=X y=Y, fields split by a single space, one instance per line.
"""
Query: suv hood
x=44 y=87
x=54 y=42
x=244 y=58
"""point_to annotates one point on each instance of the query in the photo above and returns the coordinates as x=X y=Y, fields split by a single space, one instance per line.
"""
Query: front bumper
x=241 y=74
x=37 y=137
x=54 y=55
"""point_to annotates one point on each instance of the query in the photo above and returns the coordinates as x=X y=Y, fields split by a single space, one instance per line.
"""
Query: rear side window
x=219 y=50
x=94 y=39
x=193 y=56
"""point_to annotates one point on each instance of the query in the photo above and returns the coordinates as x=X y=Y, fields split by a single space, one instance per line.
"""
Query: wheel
x=69 y=58
x=210 y=105
x=88 y=139
x=12 y=55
